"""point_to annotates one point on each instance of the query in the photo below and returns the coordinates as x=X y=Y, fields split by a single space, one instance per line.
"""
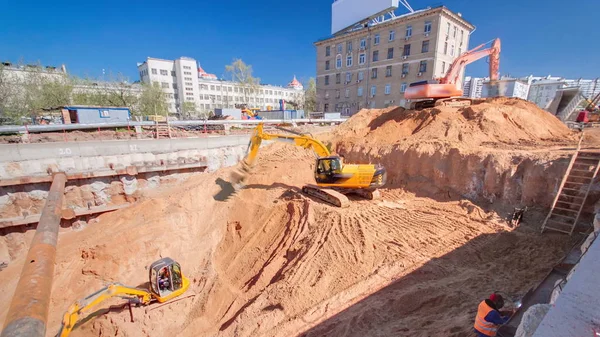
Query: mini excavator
x=333 y=178
x=166 y=283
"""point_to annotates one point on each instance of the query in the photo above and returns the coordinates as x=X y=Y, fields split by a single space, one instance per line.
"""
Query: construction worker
x=489 y=318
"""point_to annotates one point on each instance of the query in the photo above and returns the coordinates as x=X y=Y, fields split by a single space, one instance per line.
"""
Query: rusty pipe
x=28 y=310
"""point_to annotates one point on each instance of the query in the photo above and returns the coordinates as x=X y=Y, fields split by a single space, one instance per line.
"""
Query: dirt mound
x=497 y=120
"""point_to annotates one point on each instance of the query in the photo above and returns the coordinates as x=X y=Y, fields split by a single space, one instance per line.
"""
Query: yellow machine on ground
x=166 y=283
x=334 y=178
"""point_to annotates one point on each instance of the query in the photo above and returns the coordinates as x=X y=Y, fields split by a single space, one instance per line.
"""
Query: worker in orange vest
x=489 y=318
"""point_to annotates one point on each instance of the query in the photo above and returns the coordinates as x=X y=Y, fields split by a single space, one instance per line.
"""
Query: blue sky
x=276 y=37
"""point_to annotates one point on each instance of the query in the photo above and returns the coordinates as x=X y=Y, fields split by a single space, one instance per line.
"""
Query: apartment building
x=372 y=66
x=183 y=80
x=507 y=87
x=472 y=86
x=542 y=92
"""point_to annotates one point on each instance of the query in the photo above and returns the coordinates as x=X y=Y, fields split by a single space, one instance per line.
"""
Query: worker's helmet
x=498 y=300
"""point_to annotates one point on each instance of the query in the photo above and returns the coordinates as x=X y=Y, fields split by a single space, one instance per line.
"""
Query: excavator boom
x=83 y=307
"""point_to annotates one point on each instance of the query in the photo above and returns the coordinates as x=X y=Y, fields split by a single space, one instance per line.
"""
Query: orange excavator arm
x=471 y=56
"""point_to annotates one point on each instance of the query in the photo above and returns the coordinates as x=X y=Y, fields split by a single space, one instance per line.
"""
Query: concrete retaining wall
x=22 y=160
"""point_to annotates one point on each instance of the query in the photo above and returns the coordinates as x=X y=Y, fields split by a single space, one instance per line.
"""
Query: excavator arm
x=304 y=141
x=82 y=308
x=471 y=56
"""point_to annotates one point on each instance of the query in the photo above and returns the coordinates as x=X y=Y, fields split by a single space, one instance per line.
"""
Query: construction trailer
x=84 y=114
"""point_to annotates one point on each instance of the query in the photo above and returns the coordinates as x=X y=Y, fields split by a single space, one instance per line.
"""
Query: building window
x=338 y=61
x=327 y=65
x=376 y=39
x=408 y=31
x=392 y=35
x=164 y=72
x=452 y=50
x=406 y=51
x=338 y=78
x=339 y=48
x=187 y=67
x=363 y=43
x=374 y=73
x=337 y=93
x=212 y=87
x=361 y=76
x=462 y=35
x=427 y=29
x=173 y=73
x=388 y=71
x=455 y=30
x=425 y=47
x=373 y=91
x=459 y=51
x=328 y=51
x=448 y=29
x=390 y=53
x=187 y=78
x=218 y=87
x=325 y=107
x=403 y=87
x=423 y=66
x=445 y=48
x=104 y=114
x=359 y=91
x=348 y=77
x=154 y=72
x=187 y=73
x=443 y=67
x=174 y=85
x=375 y=55
x=349 y=46
x=206 y=97
x=388 y=89
x=188 y=83
x=405 y=68
x=349 y=60
x=347 y=94
x=176 y=96
x=362 y=58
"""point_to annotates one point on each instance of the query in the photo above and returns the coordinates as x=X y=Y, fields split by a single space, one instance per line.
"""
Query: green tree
x=152 y=101
x=117 y=91
x=310 y=95
x=36 y=92
x=188 y=109
x=241 y=73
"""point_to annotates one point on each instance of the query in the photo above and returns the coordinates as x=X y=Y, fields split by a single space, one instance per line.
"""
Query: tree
x=241 y=73
x=188 y=109
x=117 y=91
x=152 y=100
x=310 y=95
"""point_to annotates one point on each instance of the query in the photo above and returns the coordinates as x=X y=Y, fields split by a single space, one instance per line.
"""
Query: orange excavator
x=443 y=91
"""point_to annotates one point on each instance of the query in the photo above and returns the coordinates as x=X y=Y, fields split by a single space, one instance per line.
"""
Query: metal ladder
x=573 y=191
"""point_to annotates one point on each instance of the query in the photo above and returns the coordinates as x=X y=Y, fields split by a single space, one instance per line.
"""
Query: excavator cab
x=329 y=170
x=166 y=280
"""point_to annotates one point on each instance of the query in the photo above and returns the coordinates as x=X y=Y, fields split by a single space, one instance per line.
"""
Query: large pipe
x=28 y=310
x=67 y=127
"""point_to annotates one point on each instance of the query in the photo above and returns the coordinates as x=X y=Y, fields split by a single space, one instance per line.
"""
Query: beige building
x=372 y=66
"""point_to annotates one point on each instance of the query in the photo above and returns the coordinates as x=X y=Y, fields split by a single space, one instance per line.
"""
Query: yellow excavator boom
x=304 y=141
x=83 y=307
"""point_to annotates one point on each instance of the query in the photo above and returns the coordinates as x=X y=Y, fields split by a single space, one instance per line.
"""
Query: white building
x=589 y=88
x=506 y=88
x=472 y=86
x=18 y=73
x=183 y=80
x=542 y=92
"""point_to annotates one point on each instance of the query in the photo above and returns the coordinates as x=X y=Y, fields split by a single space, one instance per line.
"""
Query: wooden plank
x=584 y=171
x=570 y=196
x=569 y=203
x=560 y=223
x=574 y=183
x=557 y=230
x=565 y=209
x=572 y=189
x=588 y=158
x=580 y=177
x=564 y=216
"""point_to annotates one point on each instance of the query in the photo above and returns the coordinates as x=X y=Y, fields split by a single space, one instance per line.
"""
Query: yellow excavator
x=166 y=282
x=333 y=178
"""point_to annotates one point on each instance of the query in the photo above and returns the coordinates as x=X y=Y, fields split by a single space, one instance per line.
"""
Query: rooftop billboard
x=345 y=13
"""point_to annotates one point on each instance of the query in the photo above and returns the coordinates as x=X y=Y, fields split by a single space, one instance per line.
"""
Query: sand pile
x=273 y=262
x=497 y=120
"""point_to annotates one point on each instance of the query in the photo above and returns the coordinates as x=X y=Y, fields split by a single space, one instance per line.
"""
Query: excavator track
x=367 y=194
x=328 y=195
